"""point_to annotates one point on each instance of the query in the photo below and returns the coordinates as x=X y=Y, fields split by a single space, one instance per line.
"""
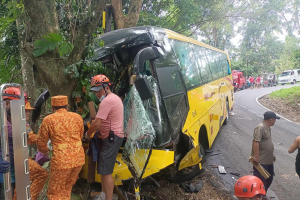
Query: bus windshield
x=285 y=74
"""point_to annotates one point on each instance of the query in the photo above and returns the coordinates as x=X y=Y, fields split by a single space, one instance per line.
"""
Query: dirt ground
x=212 y=189
x=164 y=189
x=283 y=107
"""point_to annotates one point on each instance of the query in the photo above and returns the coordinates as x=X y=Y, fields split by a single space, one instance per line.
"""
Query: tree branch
x=85 y=30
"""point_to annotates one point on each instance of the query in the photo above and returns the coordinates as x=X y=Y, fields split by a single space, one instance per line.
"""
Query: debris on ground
x=235 y=174
x=221 y=169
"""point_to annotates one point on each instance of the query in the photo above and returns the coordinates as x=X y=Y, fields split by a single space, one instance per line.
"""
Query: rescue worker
x=38 y=175
x=109 y=121
x=65 y=130
x=249 y=188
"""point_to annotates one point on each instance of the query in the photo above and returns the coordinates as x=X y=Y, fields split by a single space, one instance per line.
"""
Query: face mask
x=101 y=99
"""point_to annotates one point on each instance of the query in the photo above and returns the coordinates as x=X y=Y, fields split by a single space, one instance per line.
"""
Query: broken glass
x=139 y=131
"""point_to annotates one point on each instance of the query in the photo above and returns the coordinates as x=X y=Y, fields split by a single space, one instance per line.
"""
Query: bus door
x=175 y=97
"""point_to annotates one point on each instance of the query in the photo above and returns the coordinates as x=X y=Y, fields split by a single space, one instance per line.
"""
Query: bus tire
x=182 y=176
x=294 y=81
x=282 y=83
x=227 y=116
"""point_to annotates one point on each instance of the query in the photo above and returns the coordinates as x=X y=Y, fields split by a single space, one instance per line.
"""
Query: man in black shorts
x=109 y=121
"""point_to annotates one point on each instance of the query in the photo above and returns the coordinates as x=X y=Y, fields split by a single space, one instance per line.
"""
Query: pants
x=267 y=182
x=61 y=183
x=2 y=189
x=38 y=178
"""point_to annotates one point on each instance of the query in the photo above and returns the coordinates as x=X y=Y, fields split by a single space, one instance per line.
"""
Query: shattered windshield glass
x=139 y=131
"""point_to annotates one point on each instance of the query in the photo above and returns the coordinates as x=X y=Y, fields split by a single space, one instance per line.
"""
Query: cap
x=28 y=106
x=270 y=115
x=97 y=88
x=59 y=101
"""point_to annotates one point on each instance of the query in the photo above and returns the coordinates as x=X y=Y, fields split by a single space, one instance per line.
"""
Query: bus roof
x=117 y=40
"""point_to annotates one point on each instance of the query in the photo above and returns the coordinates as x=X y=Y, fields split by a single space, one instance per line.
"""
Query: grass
x=292 y=95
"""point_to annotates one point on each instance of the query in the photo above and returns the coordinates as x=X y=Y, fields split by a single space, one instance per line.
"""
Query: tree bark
x=43 y=20
x=118 y=14
x=131 y=19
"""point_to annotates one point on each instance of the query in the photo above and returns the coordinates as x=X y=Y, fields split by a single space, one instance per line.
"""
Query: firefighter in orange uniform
x=38 y=176
x=65 y=130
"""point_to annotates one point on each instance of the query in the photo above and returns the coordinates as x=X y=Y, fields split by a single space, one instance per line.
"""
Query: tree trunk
x=118 y=14
x=131 y=19
x=44 y=20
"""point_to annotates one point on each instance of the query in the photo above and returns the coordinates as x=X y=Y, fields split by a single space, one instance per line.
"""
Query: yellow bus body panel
x=159 y=159
x=208 y=102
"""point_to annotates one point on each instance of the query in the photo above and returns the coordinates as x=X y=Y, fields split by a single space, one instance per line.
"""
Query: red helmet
x=12 y=93
x=26 y=97
x=248 y=187
x=98 y=81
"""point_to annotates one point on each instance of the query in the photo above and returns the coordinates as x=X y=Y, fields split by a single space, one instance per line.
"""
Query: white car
x=289 y=76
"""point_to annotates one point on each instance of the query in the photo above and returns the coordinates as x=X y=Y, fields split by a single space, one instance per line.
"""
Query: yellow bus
x=177 y=93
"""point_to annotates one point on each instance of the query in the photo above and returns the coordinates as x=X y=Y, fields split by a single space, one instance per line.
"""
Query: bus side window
x=206 y=75
x=188 y=64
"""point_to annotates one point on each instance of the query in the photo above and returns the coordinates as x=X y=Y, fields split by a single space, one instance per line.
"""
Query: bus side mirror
x=149 y=53
x=143 y=87
x=141 y=82
x=228 y=69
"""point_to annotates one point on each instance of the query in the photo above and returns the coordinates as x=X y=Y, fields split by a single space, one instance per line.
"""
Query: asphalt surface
x=234 y=143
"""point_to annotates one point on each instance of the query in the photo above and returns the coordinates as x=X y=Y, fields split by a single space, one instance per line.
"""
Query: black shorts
x=108 y=155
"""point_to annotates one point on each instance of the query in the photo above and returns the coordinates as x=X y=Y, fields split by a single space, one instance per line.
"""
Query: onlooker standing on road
x=263 y=148
x=258 y=82
x=109 y=121
x=251 y=79
x=296 y=145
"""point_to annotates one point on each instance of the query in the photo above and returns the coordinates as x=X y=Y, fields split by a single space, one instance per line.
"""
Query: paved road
x=234 y=141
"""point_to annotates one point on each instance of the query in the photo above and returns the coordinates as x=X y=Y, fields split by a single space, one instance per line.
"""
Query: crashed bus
x=176 y=92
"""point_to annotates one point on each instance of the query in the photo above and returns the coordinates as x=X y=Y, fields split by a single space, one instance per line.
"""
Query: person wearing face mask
x=109 y=121
x=249 y=188
x=263 y=148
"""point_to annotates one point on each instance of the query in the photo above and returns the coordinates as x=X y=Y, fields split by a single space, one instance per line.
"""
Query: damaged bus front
x=166 y=122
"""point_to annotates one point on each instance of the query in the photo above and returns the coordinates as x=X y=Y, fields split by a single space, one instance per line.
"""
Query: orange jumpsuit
x=65 y=130
x=38 y=175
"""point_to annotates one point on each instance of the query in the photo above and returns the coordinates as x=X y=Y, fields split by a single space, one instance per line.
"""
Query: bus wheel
x=189 y=173
x=186 y=174
x=294 y=81
x=227 y=116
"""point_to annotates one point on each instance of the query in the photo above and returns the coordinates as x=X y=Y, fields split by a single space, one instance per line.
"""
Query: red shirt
x=251 y=80
x=258 y=80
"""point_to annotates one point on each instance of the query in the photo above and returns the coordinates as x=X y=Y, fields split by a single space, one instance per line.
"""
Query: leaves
x=50 y=42
x=65 y=48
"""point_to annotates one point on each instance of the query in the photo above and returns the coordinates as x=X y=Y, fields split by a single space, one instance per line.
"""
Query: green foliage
x=50 y=42
x=291 y=95
x=286 y=93
x=84 y=71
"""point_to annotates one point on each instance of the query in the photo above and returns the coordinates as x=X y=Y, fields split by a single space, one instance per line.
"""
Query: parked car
x=269 y=80
x=239 y=79
x=289 y=76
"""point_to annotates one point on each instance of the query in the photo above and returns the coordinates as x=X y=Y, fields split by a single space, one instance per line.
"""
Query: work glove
x=4 y=166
